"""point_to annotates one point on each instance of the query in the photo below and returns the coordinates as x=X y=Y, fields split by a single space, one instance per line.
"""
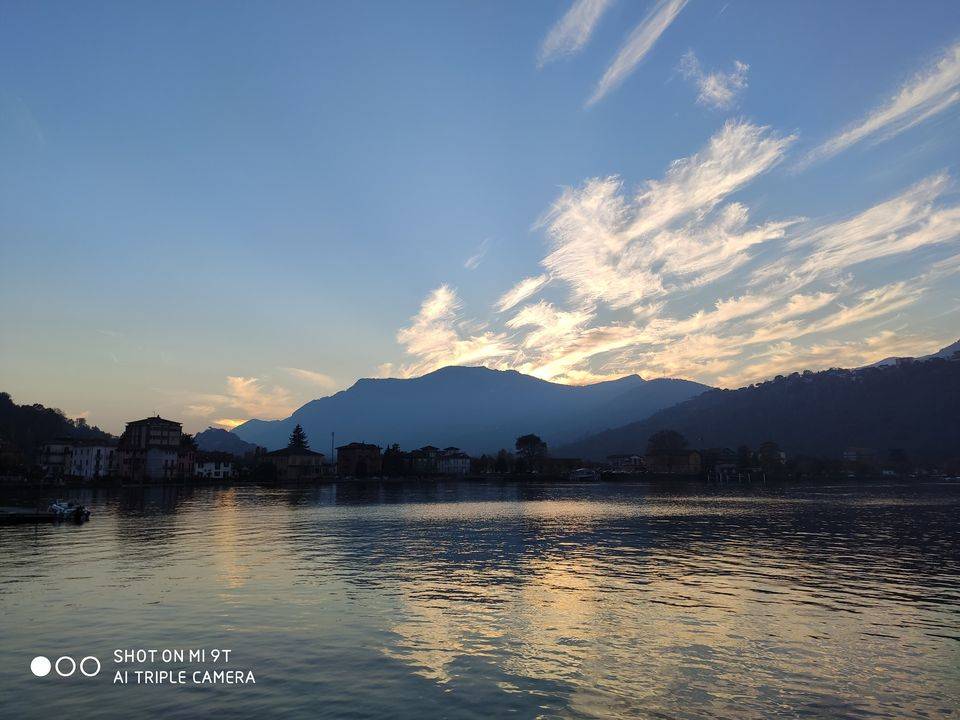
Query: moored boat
x=69 y=510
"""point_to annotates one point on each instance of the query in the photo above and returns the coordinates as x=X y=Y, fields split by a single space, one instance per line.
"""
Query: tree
x=666 y=442
x=298 y=439
x=769 y=455
x=531 y=447
x=188 y=442
x=391 y=464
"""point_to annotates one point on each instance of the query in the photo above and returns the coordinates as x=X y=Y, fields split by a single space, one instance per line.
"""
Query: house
x=91 y=459
x=721 y=464
x=295 y=464
x=626 y=463
x=54 y=456
x=860 y=455
x=453 y=461
x=769 y=453
x=687 y=462
x=425 y=461
x=358 y=459
x=150 y=449
x=215 y=466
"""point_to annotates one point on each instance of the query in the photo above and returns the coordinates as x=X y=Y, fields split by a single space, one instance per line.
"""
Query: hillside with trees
x=28 y=426
x=912 y=405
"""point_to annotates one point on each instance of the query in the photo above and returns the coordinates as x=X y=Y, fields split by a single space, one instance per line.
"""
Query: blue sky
x=219 y=211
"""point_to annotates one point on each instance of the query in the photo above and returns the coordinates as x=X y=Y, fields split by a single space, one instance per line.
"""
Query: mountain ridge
x=475 y=408
x=909 y=405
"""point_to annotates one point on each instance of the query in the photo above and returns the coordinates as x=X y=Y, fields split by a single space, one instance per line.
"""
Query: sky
x=217 y=211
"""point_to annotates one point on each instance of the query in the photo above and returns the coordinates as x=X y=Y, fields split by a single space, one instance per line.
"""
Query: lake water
x=466 y=599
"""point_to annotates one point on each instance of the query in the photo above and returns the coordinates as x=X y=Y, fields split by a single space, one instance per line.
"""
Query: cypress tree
x=298 y=439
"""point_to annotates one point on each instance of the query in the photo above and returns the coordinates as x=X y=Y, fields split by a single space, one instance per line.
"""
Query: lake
x=465 y=599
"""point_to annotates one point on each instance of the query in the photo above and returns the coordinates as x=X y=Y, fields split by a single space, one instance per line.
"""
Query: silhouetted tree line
x=29 y=426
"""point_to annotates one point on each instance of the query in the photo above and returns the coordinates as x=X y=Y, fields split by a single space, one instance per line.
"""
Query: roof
x=288 y=452
x=154 y=419
x=358 y=446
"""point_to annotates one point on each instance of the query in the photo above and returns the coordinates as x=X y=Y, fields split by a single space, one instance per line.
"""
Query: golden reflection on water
x=225 y=538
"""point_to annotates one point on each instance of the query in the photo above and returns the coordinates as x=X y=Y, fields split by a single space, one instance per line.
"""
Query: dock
x=22 y=515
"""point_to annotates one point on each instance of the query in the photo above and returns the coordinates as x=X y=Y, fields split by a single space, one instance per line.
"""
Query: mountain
x=218 y=440
x=473 y=408
x=911 y=405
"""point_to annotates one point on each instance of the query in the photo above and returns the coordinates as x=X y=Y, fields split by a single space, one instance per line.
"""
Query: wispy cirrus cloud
x=317 y=379
x=928 y=93
x=437 y=336
x=624 y=250
x=521 y=291
x=473 y=262
x=717 y=90
x=916 y=218
x=572 y=32
x=631 y=264
x=787 y=357
x=640 y=41
x=242 y=398
x=255 y=399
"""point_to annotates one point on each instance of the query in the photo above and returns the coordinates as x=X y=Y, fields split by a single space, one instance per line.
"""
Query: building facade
x=681 y=463
x=151 y=449
x=54 y=458
x=91 y=459
x=358 y=459
x=453 y=461
x=295 y=464
x=626 y=463
x=215 y=466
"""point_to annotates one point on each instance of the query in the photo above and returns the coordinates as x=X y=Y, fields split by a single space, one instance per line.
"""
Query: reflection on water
x=485 y=599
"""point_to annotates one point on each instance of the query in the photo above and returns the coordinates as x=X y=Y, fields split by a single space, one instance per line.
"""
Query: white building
x=91 y=459
x=453 y=462
x=216 y=466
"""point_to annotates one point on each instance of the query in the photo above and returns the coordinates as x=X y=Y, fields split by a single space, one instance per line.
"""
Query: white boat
x=69 y=510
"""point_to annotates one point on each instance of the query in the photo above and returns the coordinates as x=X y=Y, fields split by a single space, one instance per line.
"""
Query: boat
x=69 y=510
x=584 y=474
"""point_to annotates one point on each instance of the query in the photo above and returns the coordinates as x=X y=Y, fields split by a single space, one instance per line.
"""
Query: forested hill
x=27 y=426
x=912 y=405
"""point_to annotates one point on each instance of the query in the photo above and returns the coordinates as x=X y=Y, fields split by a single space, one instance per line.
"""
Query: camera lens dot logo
x=86 y=667
x=40 y=666
x=61 y=667
x=65 y=666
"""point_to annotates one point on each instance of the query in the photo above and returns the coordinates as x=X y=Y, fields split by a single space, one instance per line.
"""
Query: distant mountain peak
x=475 y=408
x=219 y=440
